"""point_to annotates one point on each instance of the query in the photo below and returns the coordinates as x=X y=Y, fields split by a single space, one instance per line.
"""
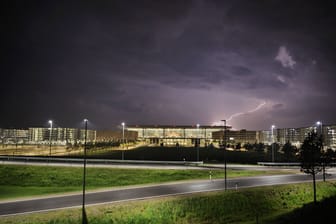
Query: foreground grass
x=274 y=204
x=21 y=180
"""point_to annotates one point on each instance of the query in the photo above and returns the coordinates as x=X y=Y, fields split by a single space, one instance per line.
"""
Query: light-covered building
x=189 y=135
x=236 y=136
x=169 y=135
x=330 y=136
x=60 y=136
x=172 y=135
x=115 y=136
x=14 y=136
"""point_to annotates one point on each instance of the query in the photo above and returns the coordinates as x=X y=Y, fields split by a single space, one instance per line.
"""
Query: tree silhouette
x=311 y=157
x=289 y=151
x=328 y=157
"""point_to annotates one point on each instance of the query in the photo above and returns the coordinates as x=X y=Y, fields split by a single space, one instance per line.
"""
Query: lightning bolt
x=245 y=113
x=241 y=113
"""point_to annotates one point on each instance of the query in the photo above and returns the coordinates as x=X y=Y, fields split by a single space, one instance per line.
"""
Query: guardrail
x=95 y=161
x=278 y=164
x=286 y=164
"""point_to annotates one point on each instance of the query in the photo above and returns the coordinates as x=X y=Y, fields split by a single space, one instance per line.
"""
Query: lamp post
x=319 y=123
x=197 y=141
x=272 y=127
x=50 y=133
x=84 y=173
x=224 y=144
x=123 y=140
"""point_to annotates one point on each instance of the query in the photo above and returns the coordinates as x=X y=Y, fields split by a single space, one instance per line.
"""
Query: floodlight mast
x=224 y=146
x=50 y=134
x=123 y=140
x=198 y=141
x=84 y=173
x=272 y=127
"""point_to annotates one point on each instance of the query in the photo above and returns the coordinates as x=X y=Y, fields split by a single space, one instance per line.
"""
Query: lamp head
x=123 y=124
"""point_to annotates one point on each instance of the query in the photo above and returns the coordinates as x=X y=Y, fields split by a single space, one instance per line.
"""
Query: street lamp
x=84 y=173
x=224 y=143
x=123 y=140
x=197 y=141
x=273 y=126
x=50 y=133
x=319 y=123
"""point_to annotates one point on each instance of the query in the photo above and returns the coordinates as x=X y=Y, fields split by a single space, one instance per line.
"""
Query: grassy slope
x=20 y=180
x=276 y=204
x=178 y=154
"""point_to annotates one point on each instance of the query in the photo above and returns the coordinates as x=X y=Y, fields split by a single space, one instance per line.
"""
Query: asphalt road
x=136 y=193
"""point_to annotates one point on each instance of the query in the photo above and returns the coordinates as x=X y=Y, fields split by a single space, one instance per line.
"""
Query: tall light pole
x=319 y=123
x=197 y=141
x=50 y=133
x=272 y=127
x=123 y=140
x=84 y=173
x=224 y=144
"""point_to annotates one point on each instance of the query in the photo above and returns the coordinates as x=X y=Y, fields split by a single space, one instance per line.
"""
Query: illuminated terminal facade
x=204 y=135
x=172 y=135
x=169 y=135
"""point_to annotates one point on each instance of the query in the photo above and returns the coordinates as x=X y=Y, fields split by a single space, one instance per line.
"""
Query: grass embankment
x=274 y=204
x=184 y=153
x=21 y=180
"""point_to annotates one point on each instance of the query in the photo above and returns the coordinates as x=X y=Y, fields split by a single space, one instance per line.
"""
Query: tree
x=310 y=157
x=260 y=147
x=289 y=151
x=248 y=146
x=328 y=157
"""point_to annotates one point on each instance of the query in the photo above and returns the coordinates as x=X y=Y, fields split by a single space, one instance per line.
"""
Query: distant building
x=179 y=134
x=116 y=136
x=168 y=135
x=330 y=136
x=13 y=136
x=60 y=136
x=242 y=136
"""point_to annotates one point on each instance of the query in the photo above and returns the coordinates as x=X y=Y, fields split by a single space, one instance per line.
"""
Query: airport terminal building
x=204 y=135
x=184 y=135
x=177 y=134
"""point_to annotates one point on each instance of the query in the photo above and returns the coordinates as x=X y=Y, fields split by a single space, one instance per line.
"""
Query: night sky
x=254 y=63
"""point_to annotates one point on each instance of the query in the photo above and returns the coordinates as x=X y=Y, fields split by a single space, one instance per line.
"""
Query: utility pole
x=84 y=221
x=198 y=141
x=224 y=144
x=319 y=123
x=123 y=140
x=273 y=126
x=50 y=134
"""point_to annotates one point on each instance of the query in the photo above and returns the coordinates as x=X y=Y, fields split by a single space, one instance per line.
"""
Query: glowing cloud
x=285 y=58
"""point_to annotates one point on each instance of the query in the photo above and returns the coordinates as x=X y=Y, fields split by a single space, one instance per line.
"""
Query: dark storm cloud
x=155 y=61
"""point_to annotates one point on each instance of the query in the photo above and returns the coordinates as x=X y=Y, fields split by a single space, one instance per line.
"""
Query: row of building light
x=43 y=135
x=56 y=135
